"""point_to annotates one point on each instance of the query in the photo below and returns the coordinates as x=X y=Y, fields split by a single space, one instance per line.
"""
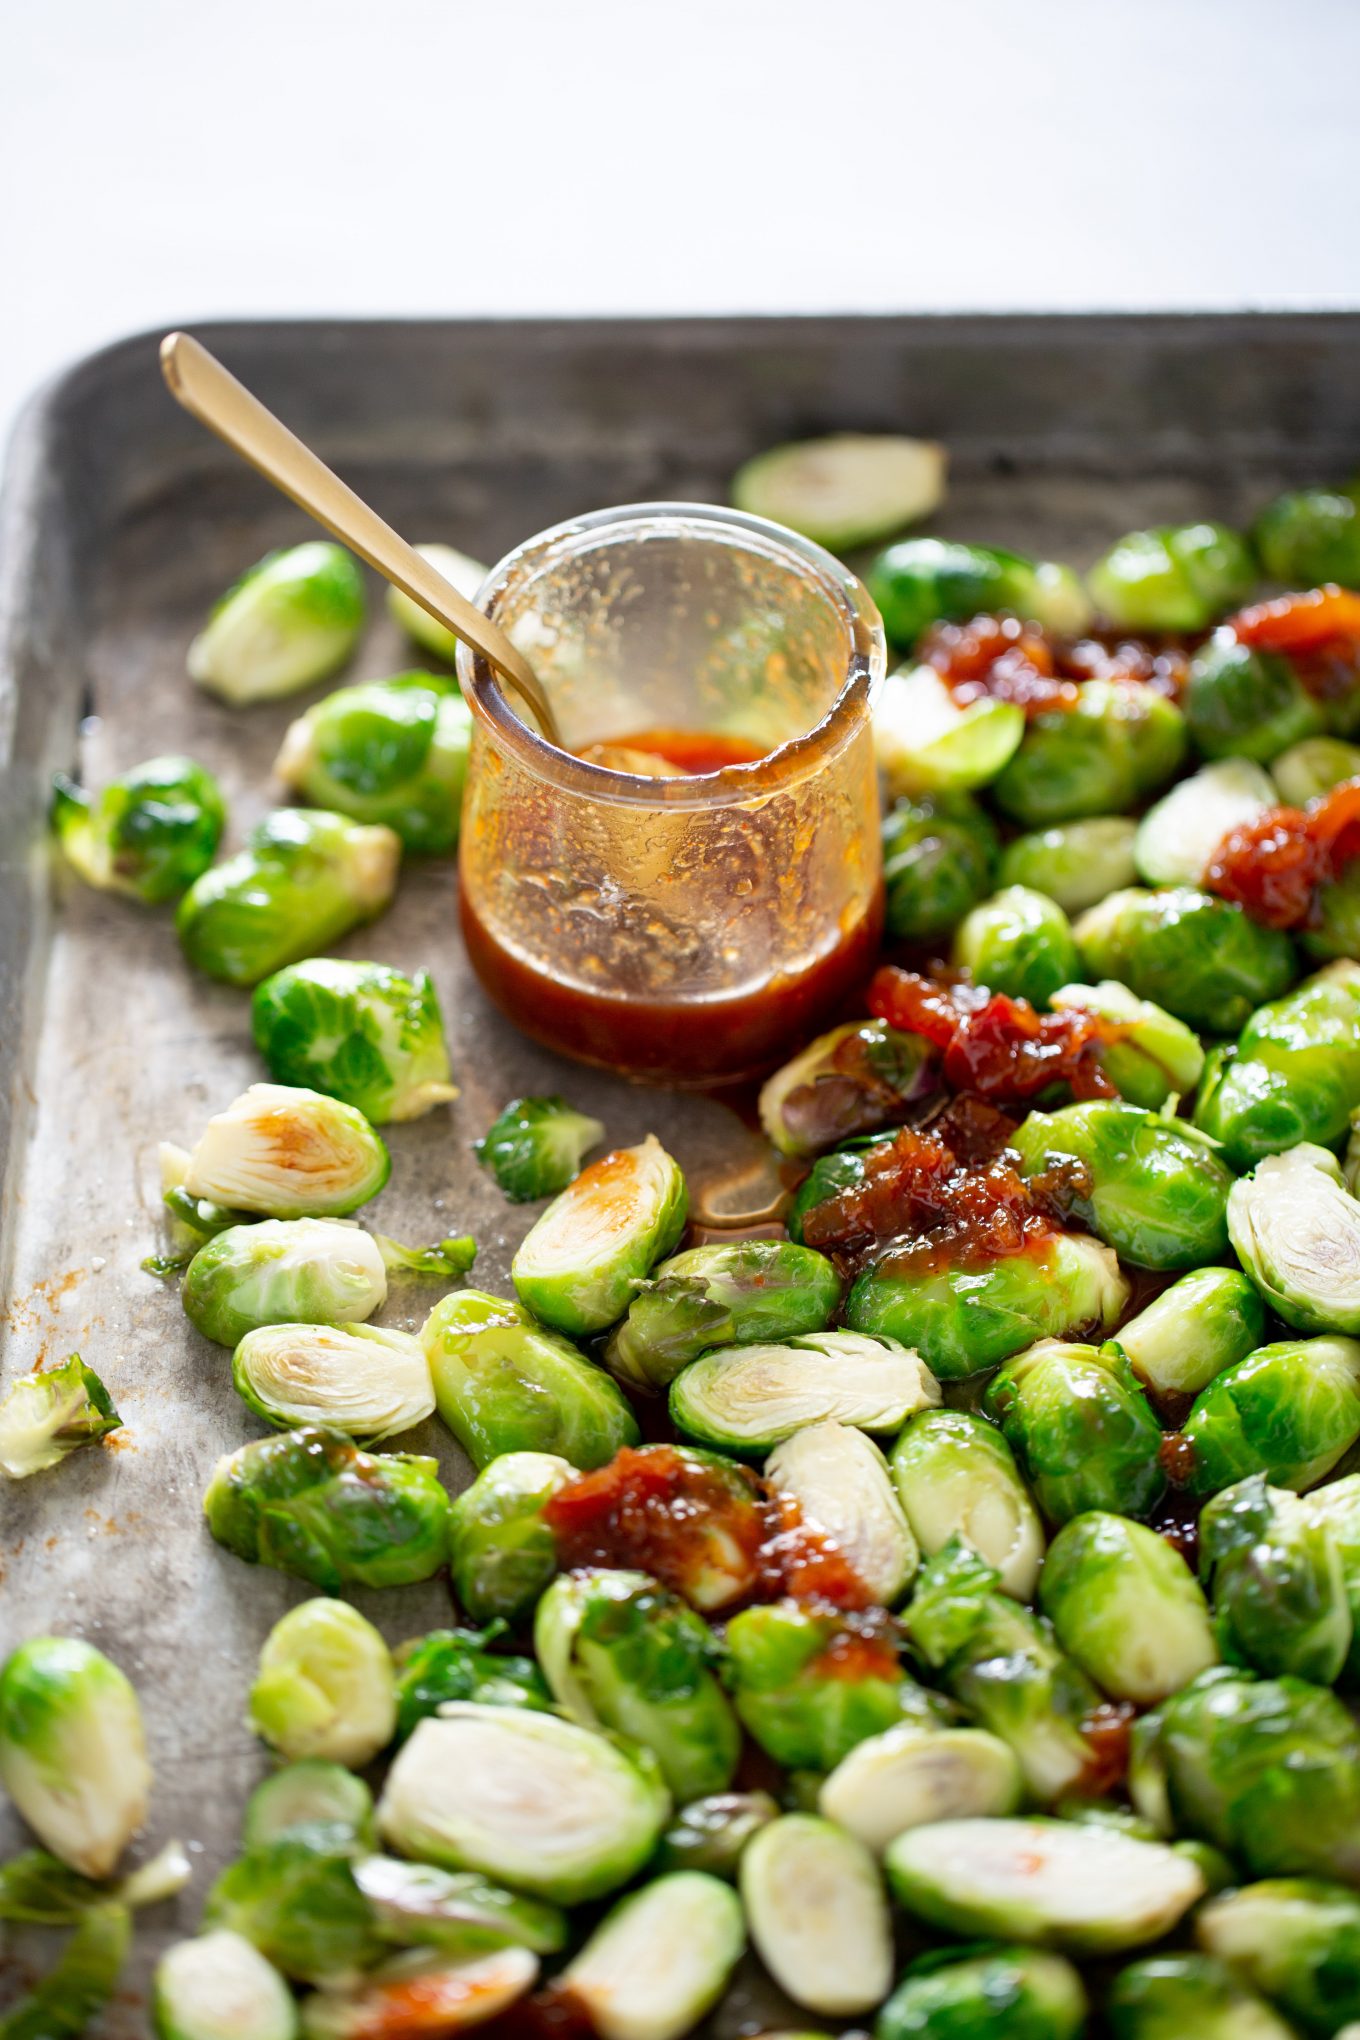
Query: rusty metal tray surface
x=120 y=523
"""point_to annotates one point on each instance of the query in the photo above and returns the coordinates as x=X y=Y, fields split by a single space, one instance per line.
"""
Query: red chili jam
x=1001 y=658
x=996 y=1047
x=796 y=1559
x=1317 y=629
x=1276 y=866
x=1106 y=1733
x=863 y=1645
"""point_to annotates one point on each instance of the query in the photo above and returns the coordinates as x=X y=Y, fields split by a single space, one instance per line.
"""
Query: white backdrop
x=164 y=160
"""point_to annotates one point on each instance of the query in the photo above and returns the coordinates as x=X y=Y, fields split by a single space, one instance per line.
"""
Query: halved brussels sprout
x=1296 y=1230
x=283 y=1271
x=909 y=1776
x=534 y=1149
x=710 y=1834
x=920 y=581
x=1205 y=1322
x=1156 y=1056
x=660 y=1960
x=1279 y=1589
x=51 y=1412
x=1018 y=942
x=1001 y=1663
x=392 y=751
x=621 y=1653
x=1080 y=1427
x=305 y=878
x=503 y=1385
x=456 y=1911
x=1170 y=1996
x=1175 y=577
x=579 y=1266
x=1201 y=958
x=1288 y=1411
x=749 y=1292
x=501 y=1552
x=840 y=1481
x=219 y=1987
x=288 y=1153
x=957 y=1996
x=311 y=1503
x=927 y=742
x=818 y=1915
x=1051 y=1882
x=939 y=854
x=81 y=1982
x=296 y=1899
x=750 y=1398
x=1308 y=770
x=357 y=1031
x=454 y=1664
x=149 y=835
x=1075 y=863
x=1177 y=838
x=1242 y=701
x=313 y=1801
x=38 y=1889
x=73 y=1750
x=810 y=1682
x=420 y=1991
x=844 y=490
x=1296 y=1074
x=548 y=1807
x=967 y=1320
x=1338 y=1505
x=956 y=1477
x=1126 y=1607
x=1154 y=1190
x=1295 y=1939
x=291 y=619
x=1108 y=752
x=325 y=1686
x=360 y=1379
x=855 y=1079
x=463 y=574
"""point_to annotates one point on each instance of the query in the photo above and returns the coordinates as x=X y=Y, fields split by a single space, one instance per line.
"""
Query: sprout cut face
x=149 y=835
x=50 y=1413
x=1296 y=1230
x=818 y=1915
x=464 y=574
x=927 y=743
x=536 y=1146
x=956 y=1477
x=1177 y=838
x=315 y=1801
x=325 y=1686
x=660 y=1960
x=360 y=1379
x=289 y=1154
x=909 y=1776
x=841 y=1484
x=580 y=1264
x=283 y=1271
x=292 y=619
x=73 y=1751
x=360 y=1032
x=750 y=1398
x=219 y=1987
x=844 y=490
x=456 y=1911
x=747 y=1293
x=420 y=1992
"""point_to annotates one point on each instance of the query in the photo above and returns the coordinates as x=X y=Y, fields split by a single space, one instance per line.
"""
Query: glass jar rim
x=787 y=764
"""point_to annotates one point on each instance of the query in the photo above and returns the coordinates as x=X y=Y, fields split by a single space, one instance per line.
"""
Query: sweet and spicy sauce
x=1002 y=658
x=690 y=751
x=995 y=1047
x=1276 y=866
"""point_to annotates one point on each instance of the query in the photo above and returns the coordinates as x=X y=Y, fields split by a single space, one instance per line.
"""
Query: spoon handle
x=199 y=382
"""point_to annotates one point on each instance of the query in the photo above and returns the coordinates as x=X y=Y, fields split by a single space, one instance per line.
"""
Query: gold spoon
x=198 y=380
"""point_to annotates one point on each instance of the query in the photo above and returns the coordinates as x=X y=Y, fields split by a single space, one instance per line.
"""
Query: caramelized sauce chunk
x=1276 y=866
x=1000 y=658
x=996 y=1047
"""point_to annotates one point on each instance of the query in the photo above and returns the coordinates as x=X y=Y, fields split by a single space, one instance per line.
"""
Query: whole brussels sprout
x=1338 y=1506
x=750 y=1398
x=391 y=751
x=310 y=1503
x=927 y=742
x=73 y=1750
x=1295 y=1939
x=501 y=1552
x=325 y=1686
x=1204 y=1323
x=1242 y=701
x=1288 y=1411
x=218 y=1986
x=920 y=581
x=315 y=1800
x=291 y=619
x=966 y=1320
x=579 y=1265
x=1080 y=1427
x=1308 y=770
x=1268 y=1769
x=746 y=1293
x=284 y=1271
x=299 y=1905
x=1201 y=958
x=1175 y=577
x=709 y=1834
x=1167 y=1997
x=454 y=1664
x=1154 y=1056
x=50 y=1413
x=948 y=1994
x=150 y=834
x=1295 y=1228
x=622 y=1653
x=956 y=1477
x=541 y=1804
x=456 y=1911
x=1018 y=942
x=840 y=1481
x=1001 y=1663
x=909 y=1776
x=503 y=1385
x=1279 y=1589
x=818 y=1915
x=1116 y=745
x=361 y=1379
x=855 y=1079
x=1177 y=838
x=535 y=1147
x=939 y=856
x=1057 y=1883
x=1158 y=1193
x=1309 y=536
x=357 y=1031
x=1296 y=1074
x=1075 y=863
x=464 y=574
x=660 y=1960
x=305 y=878
x=288 y=1153
x=1126 y=1606
x=809 y=1683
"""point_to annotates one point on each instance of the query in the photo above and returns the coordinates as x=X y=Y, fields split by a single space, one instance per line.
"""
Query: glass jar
x=688 y=929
